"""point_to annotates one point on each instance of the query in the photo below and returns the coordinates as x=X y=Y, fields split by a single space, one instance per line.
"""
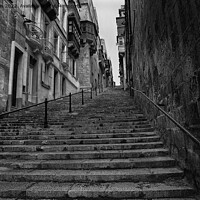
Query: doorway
x=32 y=81
x=15 y=86
x=55 y=87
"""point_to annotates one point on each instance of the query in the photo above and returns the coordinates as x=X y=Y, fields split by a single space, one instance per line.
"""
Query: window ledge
x=45 y=85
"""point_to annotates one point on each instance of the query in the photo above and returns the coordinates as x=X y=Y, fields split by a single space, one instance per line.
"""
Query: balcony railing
x=34 y=34
x=47 y=50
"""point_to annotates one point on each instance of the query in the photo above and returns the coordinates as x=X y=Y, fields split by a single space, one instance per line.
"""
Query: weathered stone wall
x=166 y=54
x=7 y=24
x=165 y=60
x=84 y=69
x=181 y=147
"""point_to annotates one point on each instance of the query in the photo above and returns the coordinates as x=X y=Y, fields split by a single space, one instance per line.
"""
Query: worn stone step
x=85 y=154
x=72 y=135
x=114 y=199
x=82 y=141
x=97 y=131
x=82 y=121
x=151 y=162
x=88 y=147
x=117 y=175
x=24 y=190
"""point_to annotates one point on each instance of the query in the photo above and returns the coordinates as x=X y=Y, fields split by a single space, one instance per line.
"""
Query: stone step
x=120 y=199
x=125 y=190
x=116 y=175
x=88 y=147
x=82 y=141
x=152 y=162
x=81 y=123
x=85 y=154
x=77 y=123
x=72 y=135
x=97 y=131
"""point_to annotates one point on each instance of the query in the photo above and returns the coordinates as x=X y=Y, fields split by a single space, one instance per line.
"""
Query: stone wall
x=166 y=54
x=165 y=61
x=7 y=24
x=84 y=69
x=180 y=145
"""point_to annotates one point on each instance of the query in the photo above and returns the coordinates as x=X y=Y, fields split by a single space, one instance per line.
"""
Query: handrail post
x=45 y=115
x=96 y=91
x=91 y=93
x=82 y=97
x=130 y=91
x=70 y=102
x=99 y=89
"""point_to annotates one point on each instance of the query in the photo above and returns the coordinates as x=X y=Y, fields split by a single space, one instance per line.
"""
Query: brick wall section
x=7 y=24
x=165 y=62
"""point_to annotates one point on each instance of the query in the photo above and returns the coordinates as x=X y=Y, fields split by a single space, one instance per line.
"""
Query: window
x=46 y=26
x=83 y=27
x=46 y=75
x=34 y=8
x=74 y=68
x=70 y=27
x=63 y=53
x=56 y=43
x=63 y=18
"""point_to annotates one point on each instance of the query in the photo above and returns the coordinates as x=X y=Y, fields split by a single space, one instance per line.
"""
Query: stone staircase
x=105 y=149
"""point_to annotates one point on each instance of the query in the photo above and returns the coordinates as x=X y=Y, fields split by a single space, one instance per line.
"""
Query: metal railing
x=193 y=138
x=82 y=92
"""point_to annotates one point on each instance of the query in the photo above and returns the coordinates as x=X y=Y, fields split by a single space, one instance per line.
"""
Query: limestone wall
x=7 y=25
x=165 y=64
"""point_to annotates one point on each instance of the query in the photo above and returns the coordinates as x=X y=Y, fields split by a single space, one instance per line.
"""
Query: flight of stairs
x=105 y=149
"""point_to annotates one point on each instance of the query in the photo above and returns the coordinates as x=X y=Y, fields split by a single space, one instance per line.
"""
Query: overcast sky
x=107 y=11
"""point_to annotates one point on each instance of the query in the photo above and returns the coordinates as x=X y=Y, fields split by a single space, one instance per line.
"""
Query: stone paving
x=105 y=149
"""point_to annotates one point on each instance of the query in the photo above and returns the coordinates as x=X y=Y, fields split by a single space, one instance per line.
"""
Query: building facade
x=88 y=60
x=44 y=45
x=7 y=30
x=48 y=49
x=121 y=47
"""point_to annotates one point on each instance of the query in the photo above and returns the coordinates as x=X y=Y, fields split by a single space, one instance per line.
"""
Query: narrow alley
x=105 y=149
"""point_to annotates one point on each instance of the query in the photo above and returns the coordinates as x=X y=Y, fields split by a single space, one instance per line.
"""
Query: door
x=32 y=81
x=55 y=84
x=15 y=79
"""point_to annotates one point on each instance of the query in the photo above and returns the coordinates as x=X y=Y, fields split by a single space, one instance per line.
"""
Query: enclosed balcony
x=50 y=7
x=73 y=14
x=47 y=51
x=74 y=39
x=34 y=35
x=89 y=35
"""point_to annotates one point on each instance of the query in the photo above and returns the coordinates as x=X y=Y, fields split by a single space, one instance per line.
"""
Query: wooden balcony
x=74 y=35
x=89 y=35
x=50 y=7
x=73 y=14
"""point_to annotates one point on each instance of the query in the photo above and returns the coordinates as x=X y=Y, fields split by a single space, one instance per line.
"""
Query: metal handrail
x=194 y=139
x=48 y=101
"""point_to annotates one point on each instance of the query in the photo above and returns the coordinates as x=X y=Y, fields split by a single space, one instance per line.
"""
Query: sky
x=107 y=11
